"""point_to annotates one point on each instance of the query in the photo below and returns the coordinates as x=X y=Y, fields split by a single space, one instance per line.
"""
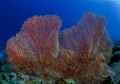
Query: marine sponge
x=80 y=52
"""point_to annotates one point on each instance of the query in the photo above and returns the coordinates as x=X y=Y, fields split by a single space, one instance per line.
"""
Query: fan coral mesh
x=80 y=52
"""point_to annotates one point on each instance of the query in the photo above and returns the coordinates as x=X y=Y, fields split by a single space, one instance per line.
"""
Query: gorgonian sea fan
x=80 y=52
x=35 y=43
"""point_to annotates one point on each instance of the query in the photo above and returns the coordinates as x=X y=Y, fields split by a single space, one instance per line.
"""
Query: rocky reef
x=80 y=53
x=115 y=63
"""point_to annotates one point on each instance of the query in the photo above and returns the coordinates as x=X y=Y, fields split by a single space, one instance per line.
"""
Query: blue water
x=14 y=12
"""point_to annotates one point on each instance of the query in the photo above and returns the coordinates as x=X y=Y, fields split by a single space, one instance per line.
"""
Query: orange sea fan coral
x=37 y=40
x=80 y=52
x=87 y=48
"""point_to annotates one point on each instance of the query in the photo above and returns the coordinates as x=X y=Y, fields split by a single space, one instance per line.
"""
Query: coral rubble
x=80 y=52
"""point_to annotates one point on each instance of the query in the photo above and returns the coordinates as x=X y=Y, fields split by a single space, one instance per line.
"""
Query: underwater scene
x=60 y=42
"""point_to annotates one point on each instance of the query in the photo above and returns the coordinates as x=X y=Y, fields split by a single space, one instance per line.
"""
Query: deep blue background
x=14 y=12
